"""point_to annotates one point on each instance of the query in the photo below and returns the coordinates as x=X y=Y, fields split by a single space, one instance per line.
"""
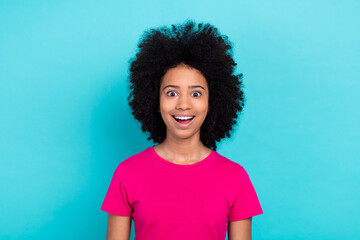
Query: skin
x=240 y=230
x=118 y=227
x=181 y=146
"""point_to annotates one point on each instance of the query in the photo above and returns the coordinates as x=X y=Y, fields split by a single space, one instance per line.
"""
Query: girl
x=184 y=93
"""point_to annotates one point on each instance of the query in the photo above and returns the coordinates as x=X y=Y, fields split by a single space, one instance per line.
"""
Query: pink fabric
x=172 y=201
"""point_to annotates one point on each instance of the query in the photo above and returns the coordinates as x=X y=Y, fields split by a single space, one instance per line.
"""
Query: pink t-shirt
x=185 y=202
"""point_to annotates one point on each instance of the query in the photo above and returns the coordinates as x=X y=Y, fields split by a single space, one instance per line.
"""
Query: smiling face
x=184 y=97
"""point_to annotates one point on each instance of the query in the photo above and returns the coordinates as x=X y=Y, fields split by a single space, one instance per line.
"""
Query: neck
x=183 y=150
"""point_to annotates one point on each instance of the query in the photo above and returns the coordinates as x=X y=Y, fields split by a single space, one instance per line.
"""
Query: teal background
x=65 y=123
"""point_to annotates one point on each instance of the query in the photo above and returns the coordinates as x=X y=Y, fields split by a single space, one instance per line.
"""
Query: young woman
x=185 y=94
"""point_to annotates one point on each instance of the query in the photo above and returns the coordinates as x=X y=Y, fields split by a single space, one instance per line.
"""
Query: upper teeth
x=183 y=118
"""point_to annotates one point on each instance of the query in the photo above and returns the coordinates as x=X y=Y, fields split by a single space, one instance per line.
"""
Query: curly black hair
x=199 y=46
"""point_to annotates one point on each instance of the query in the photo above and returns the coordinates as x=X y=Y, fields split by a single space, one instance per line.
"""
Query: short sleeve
x=116 y=199
x=246 y=203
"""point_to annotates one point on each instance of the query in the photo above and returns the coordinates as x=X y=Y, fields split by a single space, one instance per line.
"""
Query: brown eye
x=198 y=94
x=171 y=93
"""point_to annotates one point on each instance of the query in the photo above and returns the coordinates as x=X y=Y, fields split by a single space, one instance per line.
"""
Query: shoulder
x=229 y=164
x=233 y=170
x=135 y=161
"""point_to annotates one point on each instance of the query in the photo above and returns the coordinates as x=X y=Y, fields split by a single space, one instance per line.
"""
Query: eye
x=198 y=94
x=171 y=93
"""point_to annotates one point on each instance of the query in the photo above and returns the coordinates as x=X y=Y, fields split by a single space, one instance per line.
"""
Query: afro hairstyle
x=199 y=46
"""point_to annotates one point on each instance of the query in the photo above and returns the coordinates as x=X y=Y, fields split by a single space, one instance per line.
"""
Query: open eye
x=170 y=92
x=198 y=94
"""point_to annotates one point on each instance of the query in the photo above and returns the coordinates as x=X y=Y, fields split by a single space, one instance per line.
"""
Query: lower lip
x=183 y=124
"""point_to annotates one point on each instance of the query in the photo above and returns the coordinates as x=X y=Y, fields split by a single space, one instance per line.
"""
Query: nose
x=184 y=103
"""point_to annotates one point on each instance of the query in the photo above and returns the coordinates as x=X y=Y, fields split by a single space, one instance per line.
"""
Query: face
x=184 y=97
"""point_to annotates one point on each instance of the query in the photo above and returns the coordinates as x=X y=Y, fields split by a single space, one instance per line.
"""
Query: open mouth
x=183 y=120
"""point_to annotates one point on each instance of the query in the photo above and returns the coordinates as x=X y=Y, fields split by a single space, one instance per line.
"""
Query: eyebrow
x=174 y=86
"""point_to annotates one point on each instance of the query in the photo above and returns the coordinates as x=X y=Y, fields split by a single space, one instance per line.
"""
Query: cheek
x=165 y=110
x=202 y=106
x=163 y=104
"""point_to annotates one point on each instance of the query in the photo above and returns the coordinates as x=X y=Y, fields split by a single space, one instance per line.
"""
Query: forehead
x=183 y=75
